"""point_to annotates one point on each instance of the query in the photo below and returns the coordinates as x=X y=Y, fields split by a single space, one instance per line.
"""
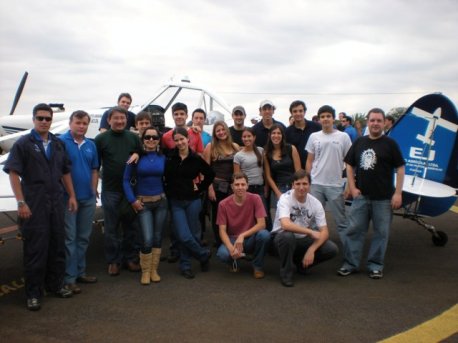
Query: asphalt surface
x=421 y=281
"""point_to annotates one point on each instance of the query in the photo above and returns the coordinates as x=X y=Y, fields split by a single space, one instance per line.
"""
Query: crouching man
x=241 y=221
x=300 y=233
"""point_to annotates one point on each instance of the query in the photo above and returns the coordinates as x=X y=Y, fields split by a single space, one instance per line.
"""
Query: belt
x=150 y=198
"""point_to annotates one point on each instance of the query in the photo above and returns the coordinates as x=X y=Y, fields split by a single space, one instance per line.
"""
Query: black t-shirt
x=236 y=135
x=374 y=161
x=299 y=137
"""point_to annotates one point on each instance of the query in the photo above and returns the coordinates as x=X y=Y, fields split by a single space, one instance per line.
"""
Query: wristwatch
x=20 y=203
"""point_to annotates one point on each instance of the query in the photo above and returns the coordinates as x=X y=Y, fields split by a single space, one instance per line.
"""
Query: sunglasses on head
x=40 y=118
x=151 y=137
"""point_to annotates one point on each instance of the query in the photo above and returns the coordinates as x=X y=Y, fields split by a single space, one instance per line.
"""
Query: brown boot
x=156 y=252
x=145 y=263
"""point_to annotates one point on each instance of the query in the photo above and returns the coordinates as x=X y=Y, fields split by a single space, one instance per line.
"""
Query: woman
x=219 y=154
x=359 y=128
x=147 y=198
x=187 y=175
x=281 y=161
x=249 y=160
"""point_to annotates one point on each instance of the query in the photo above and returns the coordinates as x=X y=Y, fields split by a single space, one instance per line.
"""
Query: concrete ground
x=421 y=281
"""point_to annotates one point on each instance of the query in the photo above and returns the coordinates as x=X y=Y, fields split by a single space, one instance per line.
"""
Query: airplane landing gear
x=439 y=238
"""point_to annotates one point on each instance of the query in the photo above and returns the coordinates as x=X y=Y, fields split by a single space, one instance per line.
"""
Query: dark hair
x=239 y=175
x=269 y=148
x=124 y=95
x=142 y=116
x=376 y=110
x=159 y=150
x=118 y=109
x=349 y=119
x=180 y=131
x=179 y=106
x=300 y=174
x=297 y=103
x=255 y=148
x=199 y=110
x=42 y=107
x=79 y=115
x=390 y=118
x=327 y=109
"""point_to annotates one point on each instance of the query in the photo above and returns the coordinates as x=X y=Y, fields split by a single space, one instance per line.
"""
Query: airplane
x=195 y=96
x=427 y=136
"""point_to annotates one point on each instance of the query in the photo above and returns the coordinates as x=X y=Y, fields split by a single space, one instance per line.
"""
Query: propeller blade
x=19 y=92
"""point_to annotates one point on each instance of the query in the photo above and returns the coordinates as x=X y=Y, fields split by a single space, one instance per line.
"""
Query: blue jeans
x=78 y=229
x=187 y=230
x=333 y=197
x=152 y=221
x=118 y=249
x=256 y=244
x=361 y=212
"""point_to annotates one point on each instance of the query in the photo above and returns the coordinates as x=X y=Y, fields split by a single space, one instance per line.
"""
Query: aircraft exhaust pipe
x=19 y=92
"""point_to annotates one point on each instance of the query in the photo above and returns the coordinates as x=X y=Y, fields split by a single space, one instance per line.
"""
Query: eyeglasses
x=151 y=137
x=40 y=118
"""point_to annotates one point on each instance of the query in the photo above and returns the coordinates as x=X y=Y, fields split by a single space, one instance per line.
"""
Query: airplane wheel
x=440 y=238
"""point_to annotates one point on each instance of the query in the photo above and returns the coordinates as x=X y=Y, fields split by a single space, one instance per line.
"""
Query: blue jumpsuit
x=41 y=173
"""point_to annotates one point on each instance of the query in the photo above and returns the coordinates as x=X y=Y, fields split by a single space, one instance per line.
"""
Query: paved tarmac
x=421 y=281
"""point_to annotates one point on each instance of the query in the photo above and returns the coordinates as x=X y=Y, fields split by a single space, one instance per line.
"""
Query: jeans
x=256 y=244
x=152 y=220
x=78 y=229
x=118 y=249
x=186 y=225
x=259 y=190
x=361 y=212
x=333 y=197
x=291 y=251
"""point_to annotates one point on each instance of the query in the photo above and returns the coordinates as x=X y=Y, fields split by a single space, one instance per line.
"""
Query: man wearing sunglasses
x=39 y=170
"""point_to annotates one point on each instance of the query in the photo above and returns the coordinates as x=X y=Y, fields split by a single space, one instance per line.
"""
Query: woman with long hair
x=281 y=161
x=187 y=175
x=147 y=198
x=219 y=154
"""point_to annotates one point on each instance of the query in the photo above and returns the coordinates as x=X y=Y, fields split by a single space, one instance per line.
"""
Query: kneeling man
x=241 y=221
x=300 y=231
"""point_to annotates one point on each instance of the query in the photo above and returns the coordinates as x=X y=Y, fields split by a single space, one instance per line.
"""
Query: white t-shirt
x=308 y=214
x=249 y=165
x=329 y=150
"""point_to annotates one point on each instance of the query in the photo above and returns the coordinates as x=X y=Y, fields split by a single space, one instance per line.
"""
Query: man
x=389 y=122
x=299 y=133
x=142 y=122
x=238 y=116
x=198 y=120
x=38 y=166
x=326 y=151
x=180 y=115
x=347 y=123
x=241 y=221
x=78 y=225
x=262 y=128
x=124 y=101
x=342 y=115
x=113 y=148
x=300 y=231
x=371 y=163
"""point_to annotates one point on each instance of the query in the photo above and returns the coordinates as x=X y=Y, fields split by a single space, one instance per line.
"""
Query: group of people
x=240 y=173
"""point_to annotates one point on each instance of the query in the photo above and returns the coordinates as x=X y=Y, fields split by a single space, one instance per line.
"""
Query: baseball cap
x=265 y=103
x=239 y=109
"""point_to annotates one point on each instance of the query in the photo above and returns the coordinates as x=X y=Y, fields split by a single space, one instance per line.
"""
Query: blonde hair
x=217 y=147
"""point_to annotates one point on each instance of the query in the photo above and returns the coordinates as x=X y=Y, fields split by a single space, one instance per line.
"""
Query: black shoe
x=188 y=274
x=287 y=282
x=86 y=279
x=33 y=304
x=63 y=293
x=205 y=265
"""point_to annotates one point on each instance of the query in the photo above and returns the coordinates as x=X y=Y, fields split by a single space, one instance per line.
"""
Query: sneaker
x=375 y=274
x=344 y=272
x=73 y=287
x=187 y=274
x=33 y=304
x=63 y=293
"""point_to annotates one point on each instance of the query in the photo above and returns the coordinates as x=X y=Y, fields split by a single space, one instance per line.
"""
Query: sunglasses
x=40 y=118
x=151 y=137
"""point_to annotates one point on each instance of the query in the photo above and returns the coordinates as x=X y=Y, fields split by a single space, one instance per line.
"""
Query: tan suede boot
x=145 y=263
x=156 y=252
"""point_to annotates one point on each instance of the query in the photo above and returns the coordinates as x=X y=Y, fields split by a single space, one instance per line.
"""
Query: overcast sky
x=353 y=55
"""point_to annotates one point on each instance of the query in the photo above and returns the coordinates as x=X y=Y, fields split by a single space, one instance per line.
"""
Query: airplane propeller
x=19 y=92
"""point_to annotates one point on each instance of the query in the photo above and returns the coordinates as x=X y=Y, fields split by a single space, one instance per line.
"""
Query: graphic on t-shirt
x=298 y=214
x=368 y=159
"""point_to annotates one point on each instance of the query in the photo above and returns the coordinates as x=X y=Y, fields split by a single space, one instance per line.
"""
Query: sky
x=352 y=55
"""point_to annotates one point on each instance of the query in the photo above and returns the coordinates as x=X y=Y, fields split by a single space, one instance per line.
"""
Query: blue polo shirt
x=84 y=160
